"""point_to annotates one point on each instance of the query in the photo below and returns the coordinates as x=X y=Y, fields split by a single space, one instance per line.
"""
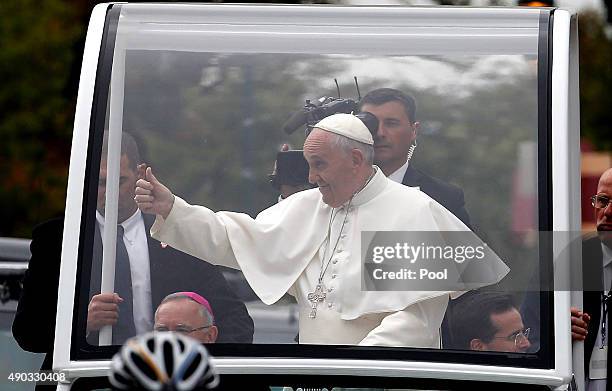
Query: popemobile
x=202 y=97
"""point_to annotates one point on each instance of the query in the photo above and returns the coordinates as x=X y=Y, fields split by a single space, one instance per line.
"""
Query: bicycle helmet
x=162 y=361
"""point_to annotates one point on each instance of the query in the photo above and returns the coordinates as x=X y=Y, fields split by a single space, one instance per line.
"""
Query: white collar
x=607 y=254
x=398 y=175
x=128 y=224
x=371 y=190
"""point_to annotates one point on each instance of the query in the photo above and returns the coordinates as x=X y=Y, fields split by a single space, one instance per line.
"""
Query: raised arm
x=194 y=230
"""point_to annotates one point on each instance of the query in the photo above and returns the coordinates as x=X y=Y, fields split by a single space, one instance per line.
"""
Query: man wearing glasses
x=187 y=313
x=593 y=325
x=488 y=321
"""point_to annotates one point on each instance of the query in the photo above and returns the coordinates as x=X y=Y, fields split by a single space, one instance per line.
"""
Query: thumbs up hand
x=152 y=196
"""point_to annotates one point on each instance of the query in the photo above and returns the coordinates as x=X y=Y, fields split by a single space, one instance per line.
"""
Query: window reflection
x=210 y=125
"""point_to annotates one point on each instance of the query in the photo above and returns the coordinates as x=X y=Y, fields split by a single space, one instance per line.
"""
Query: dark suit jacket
x=592 y=268
x=174 y=271
x=447 y=195
x=34 y=323
x=171 y=271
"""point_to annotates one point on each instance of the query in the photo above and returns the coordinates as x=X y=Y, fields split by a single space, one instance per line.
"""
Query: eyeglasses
x=180 y=329
x=518 y=337
x=600 y=201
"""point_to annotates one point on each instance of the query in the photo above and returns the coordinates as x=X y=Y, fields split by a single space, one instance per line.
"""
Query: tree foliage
x=213 y=130
x=595 y=80
x=40 y=47
x=37 y=40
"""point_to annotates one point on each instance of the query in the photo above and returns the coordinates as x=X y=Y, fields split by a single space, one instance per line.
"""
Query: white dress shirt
x=135 y=240
x=398 y=175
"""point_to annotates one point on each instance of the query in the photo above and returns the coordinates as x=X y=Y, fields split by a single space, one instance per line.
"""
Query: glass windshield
x=202 y=106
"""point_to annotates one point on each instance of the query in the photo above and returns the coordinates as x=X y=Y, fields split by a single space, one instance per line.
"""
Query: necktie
x=124 y=328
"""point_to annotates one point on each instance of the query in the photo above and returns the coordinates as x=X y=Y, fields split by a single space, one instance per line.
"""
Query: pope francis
x=309 y=244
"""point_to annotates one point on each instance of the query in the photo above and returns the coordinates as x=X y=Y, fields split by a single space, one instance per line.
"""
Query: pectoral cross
x=315 y=298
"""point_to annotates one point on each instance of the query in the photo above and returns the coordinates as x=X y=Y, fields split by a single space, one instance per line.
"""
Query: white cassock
x=281 y=251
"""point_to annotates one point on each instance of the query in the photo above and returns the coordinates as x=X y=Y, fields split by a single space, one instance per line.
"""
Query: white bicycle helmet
x=162 y=361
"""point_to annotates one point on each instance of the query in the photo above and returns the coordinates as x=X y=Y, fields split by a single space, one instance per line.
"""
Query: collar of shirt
x=135 y=239
x=374 y=187
x=607 y=267
x=398 y=175
x=129 y=225
x=607 y=255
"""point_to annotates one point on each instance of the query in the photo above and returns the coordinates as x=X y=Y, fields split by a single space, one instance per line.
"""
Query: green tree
x=210 y=125
x=37 y=40
x=595 y=80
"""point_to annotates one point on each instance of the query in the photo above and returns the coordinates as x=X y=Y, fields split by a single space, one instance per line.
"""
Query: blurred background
x=42 y=44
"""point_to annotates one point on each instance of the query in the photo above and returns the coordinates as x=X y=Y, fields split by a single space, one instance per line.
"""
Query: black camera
x=312 y=113
x=291 y=168
x=370 y=121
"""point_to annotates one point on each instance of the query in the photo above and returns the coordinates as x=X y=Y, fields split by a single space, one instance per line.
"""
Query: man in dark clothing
x=34 y=323
x=596 y=250
x=160 y=268
x=488 y=321
x=394 y=144
x=596 y=262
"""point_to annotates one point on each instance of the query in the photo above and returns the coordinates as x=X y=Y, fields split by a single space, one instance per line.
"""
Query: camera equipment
x=323 y=107
x=370 y=121
x=291 y=169
x=312 y=113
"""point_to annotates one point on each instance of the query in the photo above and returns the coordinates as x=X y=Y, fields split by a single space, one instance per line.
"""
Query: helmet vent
x=192 y=366
x=143 y=366
x=168 y=358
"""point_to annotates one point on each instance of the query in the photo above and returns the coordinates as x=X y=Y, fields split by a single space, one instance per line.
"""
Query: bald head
x=605 y=180
x=339 y=169
x=603 y=216
x=184 y=315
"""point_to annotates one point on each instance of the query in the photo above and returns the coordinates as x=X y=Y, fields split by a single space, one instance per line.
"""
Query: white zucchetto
x=346 y=125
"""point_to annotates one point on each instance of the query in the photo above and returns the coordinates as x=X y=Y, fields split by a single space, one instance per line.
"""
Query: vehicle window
x=204 y=110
